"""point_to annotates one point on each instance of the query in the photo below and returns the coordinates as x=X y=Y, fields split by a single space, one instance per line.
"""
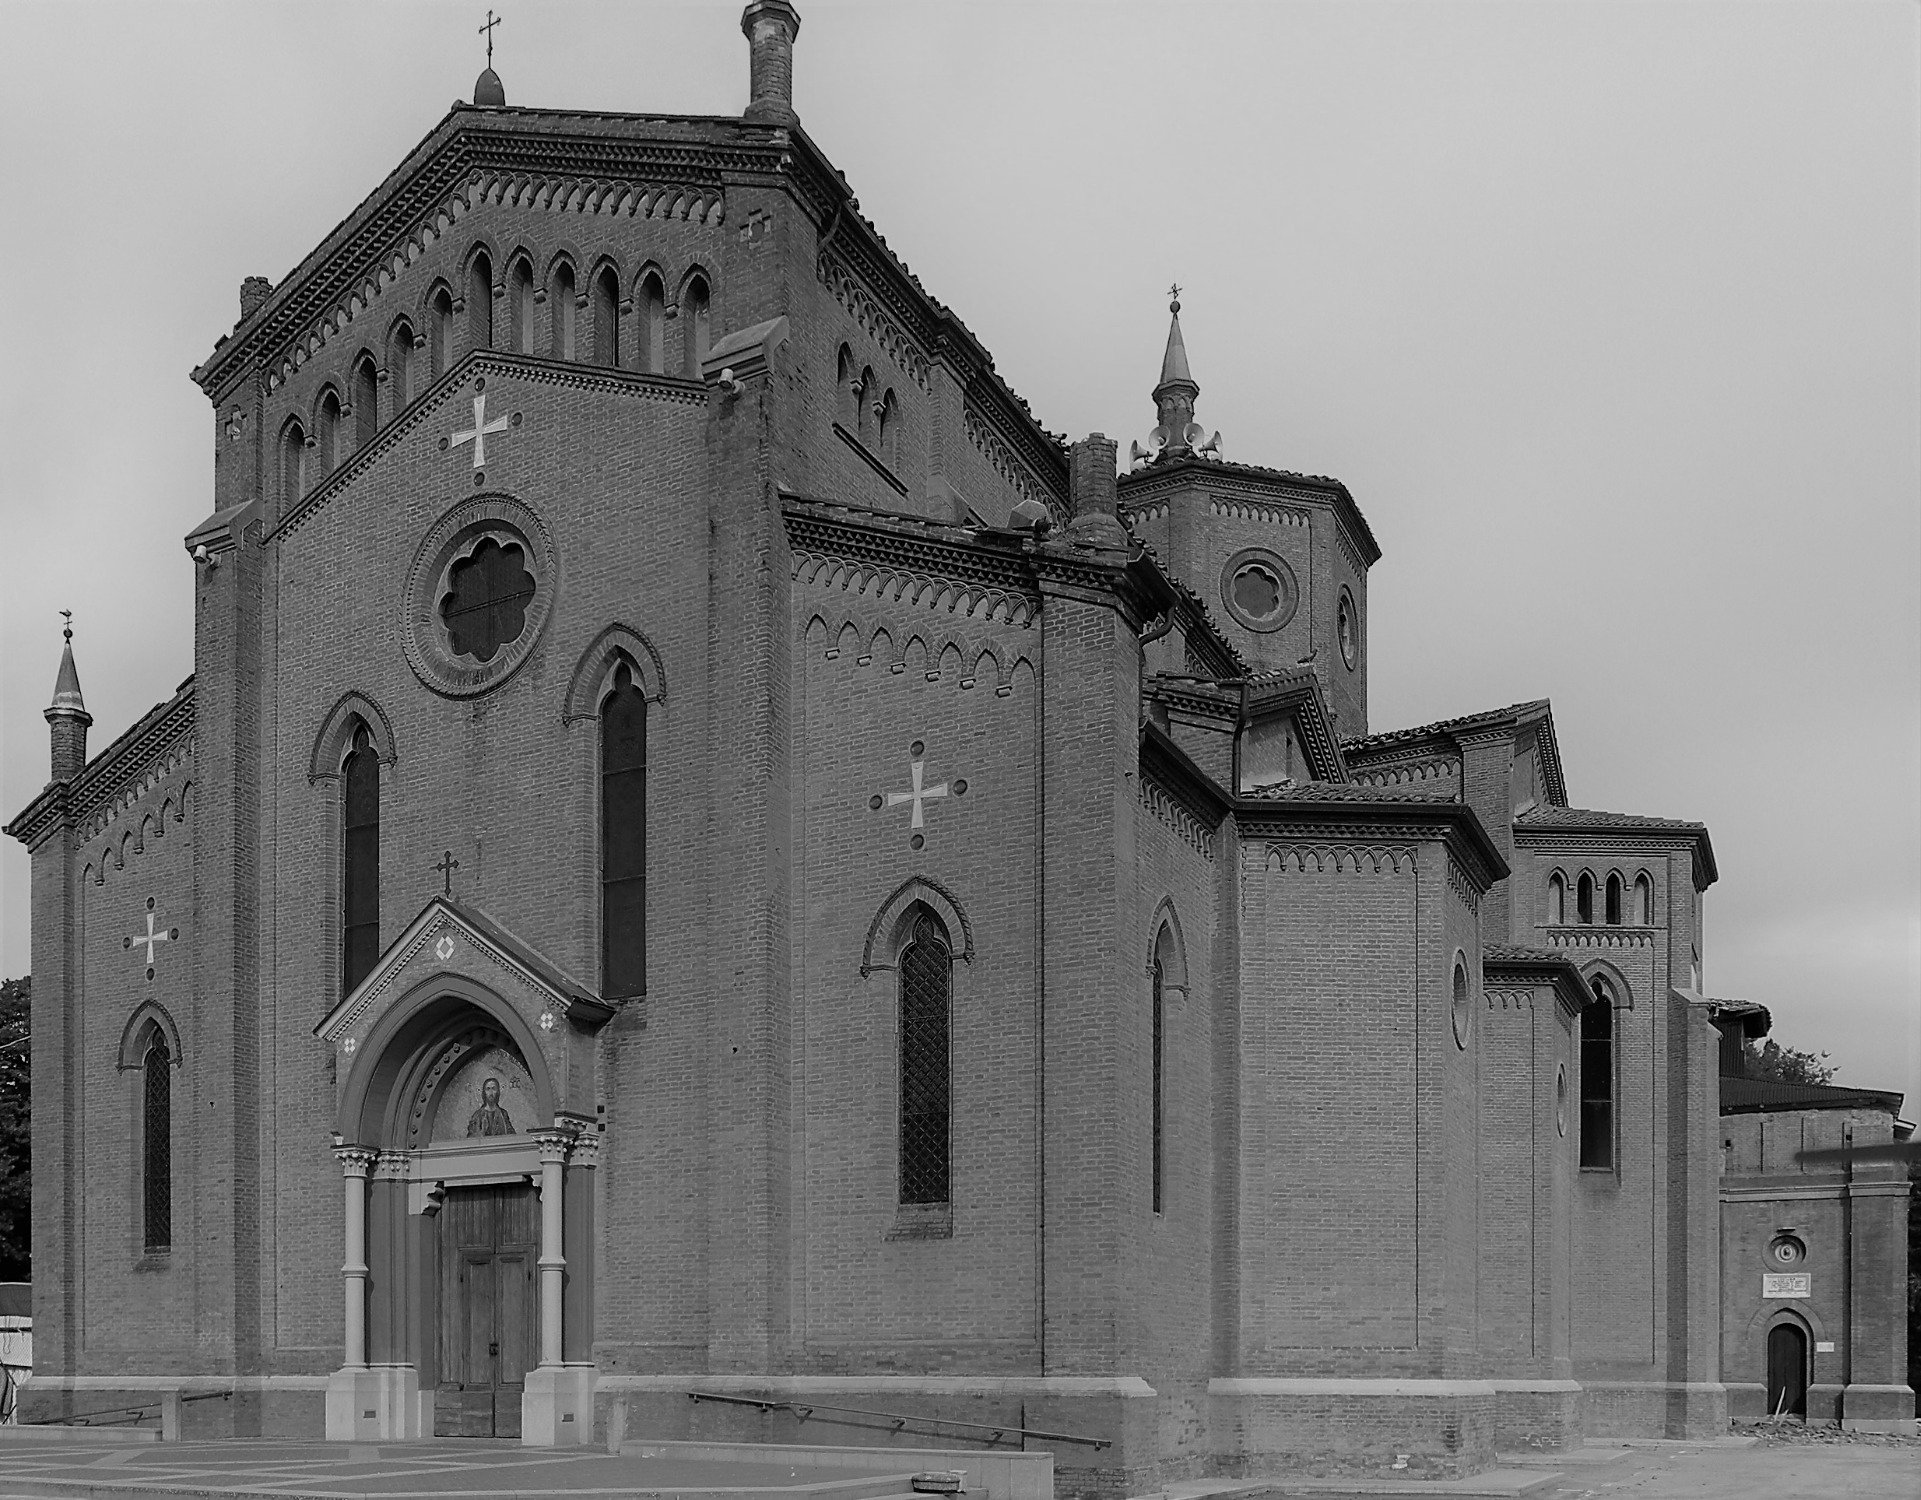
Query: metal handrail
x=805 y=1409
x=84 y=1418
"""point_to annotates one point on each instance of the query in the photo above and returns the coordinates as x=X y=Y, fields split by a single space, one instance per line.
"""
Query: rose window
x=488 y=591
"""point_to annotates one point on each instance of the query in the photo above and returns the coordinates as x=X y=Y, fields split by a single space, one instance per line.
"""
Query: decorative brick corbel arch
x=1601 y=969
x=1174 y=962
x=336 y=735
x=588 y=683
x=149 y=1013
x=916 y=890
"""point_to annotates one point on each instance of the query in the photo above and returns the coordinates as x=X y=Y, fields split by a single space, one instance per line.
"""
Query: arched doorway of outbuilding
x=1788 y=1369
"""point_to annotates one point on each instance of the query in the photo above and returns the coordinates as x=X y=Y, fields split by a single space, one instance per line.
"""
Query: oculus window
x=1259 y=589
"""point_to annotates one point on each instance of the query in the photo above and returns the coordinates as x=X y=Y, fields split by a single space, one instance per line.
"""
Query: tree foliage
x=16 y=1180
x=1786 y=1065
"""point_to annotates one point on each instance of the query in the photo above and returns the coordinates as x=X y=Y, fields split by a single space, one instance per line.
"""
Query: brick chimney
x=68 y=718
x=1090 y=475
x=254 y=290
x=770 y=27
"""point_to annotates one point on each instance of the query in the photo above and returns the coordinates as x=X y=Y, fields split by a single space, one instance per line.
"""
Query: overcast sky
x=1607 y=315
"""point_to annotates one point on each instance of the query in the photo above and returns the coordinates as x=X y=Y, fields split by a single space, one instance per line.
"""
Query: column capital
x=554 y=1145
x=356 y=1161
x=586 y=1150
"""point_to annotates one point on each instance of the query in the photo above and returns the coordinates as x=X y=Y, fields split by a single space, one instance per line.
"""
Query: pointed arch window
x=156 y=1144
x=1584 y=900
x=1556 y=900
x=888 y=435
x=623 y=839
x=327 y=431
x=606 y=318
x=400 y=361
x=847 y=391
x=867 y=405
x=520 y=307
x=694 y=313
x=1643 y=900
x=926 y=1098
x=1158 y=1022
x=366 y=401
x=1597 y=1079
x=653 y=325
x=561 y=300
x=293 y=463
x=360 y=861
x=480 y=302
x=1612 y=904
x=440 y=331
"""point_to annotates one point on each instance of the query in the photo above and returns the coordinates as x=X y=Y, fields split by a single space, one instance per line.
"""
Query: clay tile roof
x=1767 y=1095
x=1519 y=954
x=1586 y=817
x=1328 y=791
x=1365 y=742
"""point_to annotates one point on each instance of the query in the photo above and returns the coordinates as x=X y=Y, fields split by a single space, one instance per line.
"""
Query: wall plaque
x=1788 y=1284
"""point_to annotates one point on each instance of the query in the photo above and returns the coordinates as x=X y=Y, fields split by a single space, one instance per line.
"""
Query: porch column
x=553 y=1262
x=355 y=1163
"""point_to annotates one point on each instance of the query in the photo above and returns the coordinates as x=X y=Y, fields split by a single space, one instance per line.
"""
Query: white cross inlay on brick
x=152 y=937
x=919 y=794
x=477 y=434
x=919 y=797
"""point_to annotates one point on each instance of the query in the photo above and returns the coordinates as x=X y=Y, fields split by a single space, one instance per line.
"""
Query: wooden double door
x=489 y=1308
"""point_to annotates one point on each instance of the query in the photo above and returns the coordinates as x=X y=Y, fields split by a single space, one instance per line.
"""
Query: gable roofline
x=1561 y=826
x=1315 y=809
x=577 y=1001
x=605 y=153
x=110 y=772
x=1444 y=734
x=1139 y=487
x=1519 y=964
x=1758 y=1096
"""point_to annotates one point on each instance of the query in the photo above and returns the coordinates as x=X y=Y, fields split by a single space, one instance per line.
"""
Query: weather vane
x=1174 y=295
x=488 y=32
x=67 y=615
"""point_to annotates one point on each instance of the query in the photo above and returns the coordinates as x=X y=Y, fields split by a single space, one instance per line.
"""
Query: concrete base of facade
x=377 y=1403
x=1410 y=1429
x=1537 y=1416
x=1002 y=1475
x=1694 y=1409
x=1114 y=1421
x=193 y=1407
x=557 y=1406
x=1877 y=1408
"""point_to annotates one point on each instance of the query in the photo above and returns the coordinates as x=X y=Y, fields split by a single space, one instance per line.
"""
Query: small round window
x=1787 y=1250
x=1348 y=625
x=1462 y=1010
x=1259 y=589
x=481 y=587
x=1560 y=1099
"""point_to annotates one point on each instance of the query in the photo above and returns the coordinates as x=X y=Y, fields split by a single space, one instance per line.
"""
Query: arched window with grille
x=653 y=325
x=926 y=1096
x=156 y=1143
x=480 y=302
x=1612 y=905
x=400 y=364
x=366 y=401
x=1158 y=1069
x=1556 y=899
x=440 y=331
x=694 y=314
x=1643 y=900
x=360 y=861
x=1584 y=900
x=1597 y=1079
x=607 y=318
x=562 y=298
x=623 y=838
x=520 y=306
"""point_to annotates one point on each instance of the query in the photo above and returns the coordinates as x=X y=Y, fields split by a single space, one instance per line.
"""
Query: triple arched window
x=480 y=302
x=695 y=312
x=360 y=860
x=623 y=838
x=606 y=318
x=926 y=970
x=366 y=399
x=1621 y=904
x=520 y=306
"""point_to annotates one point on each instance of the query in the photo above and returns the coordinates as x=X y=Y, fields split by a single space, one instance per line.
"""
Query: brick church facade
x=707 y=851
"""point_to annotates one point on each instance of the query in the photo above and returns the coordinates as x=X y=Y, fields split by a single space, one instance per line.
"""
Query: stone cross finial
x=488 y=32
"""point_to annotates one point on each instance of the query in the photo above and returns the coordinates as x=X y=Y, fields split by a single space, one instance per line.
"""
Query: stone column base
x=1429 y=1428
x=557 y=1406
x=1541 y=1416
x=377 y=1403
x=1877 y=1408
